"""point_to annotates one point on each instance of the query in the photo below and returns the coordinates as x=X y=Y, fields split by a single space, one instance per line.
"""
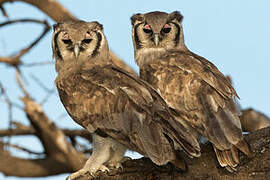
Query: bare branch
x=15 y=60
x=120 y=63
x=252 y=120
x=47 y=90
x=3 y=11
x=23 y=21
x=37 y=64
x=43 y=86
x=19 y=125
x=60 y=14
x=204 y=167
x=13 y=166
x=50 y=7
x=9 y=104
x=26 y=130
x=18 y=79
x=21 y=148
x=52 y=138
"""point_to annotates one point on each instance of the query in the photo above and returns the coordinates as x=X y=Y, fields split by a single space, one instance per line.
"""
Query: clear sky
x=234 y=35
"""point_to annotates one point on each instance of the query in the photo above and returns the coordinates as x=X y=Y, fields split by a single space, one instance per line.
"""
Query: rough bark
x=204 y=167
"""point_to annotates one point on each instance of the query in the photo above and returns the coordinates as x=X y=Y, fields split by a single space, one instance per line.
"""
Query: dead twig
x=37 y=64
x=46 y=89
x=21 y=148
x=29 y=130
x=18 y=79
x=9 y=104
x=3 y=11
x=52 y=8
x=15 y=60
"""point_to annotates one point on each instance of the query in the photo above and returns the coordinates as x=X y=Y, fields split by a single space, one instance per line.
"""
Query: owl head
x=157 y=31
x=78 y=41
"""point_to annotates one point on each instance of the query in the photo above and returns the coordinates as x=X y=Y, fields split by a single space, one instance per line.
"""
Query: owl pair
x=178 y=96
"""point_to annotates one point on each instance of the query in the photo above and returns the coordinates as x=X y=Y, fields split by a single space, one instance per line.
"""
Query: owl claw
x=83 y=172
x=117 y=165
x=104 y=169
x=78 y=174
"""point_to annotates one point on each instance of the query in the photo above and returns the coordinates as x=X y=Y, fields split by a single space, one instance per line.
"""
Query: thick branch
x=52 y=138
x=252 y=120
x=13 y=166
x=204 y=167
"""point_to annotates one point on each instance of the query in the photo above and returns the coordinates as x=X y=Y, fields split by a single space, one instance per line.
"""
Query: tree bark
x=205 y=167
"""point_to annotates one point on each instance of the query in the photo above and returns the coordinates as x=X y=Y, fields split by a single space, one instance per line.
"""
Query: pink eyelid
x=65 y=36
x=147 y=26
x=166 y=26
x=87 y=36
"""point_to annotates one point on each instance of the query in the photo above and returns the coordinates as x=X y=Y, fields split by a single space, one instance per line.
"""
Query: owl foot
x=116 y=165
x=85 y=171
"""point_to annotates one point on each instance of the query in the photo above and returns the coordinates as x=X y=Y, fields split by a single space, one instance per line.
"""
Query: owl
x=121 y=110
x=191 y=85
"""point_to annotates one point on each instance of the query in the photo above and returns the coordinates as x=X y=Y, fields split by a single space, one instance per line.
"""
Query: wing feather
x=124 y=107
x=202 y=93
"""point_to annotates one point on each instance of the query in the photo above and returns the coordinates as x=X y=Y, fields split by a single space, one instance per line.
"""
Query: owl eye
x=86 y=41
x=147 y=29
x=166 y=28
x=67 y=41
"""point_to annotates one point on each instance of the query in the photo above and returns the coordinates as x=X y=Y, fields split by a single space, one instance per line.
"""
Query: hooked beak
x=76 y=50
x=156 y=39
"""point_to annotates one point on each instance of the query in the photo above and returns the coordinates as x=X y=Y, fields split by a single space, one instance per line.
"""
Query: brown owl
x=190 y=84
x=118 y=107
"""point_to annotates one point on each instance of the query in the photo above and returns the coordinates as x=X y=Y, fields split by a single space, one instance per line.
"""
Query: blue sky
x=234 y=35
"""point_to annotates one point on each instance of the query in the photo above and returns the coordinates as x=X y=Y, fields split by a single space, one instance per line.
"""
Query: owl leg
x=117 y=154
x=101 y=154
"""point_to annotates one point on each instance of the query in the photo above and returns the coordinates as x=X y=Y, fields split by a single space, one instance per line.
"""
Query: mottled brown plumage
x=190 y=84
x=111 y=102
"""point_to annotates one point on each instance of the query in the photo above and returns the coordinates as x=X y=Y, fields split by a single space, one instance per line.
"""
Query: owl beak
x=156 y=39
x=76 y=50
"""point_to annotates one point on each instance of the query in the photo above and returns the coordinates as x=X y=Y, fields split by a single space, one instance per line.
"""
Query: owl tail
x=229 y=158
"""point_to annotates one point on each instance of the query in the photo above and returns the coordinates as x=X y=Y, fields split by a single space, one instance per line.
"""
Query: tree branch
x=13 y=166
x=15 y=60
x=252 y=120
x=52 y=138
x=59 y=14
x=21 y=148
x=204 y=167
x=50 y=7
x=31 y=131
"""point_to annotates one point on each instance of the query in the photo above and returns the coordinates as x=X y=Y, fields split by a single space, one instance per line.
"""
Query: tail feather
x=220 y=157
x=227 y=158
x=235 y=155
x=245 y=148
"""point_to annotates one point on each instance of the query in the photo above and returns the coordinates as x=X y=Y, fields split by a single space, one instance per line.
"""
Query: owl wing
x=207 y=96
x=112 y=101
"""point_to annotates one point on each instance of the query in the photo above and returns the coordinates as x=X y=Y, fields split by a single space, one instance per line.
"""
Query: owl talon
x=117 y=166
x=79 y=174
x=104 y=169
